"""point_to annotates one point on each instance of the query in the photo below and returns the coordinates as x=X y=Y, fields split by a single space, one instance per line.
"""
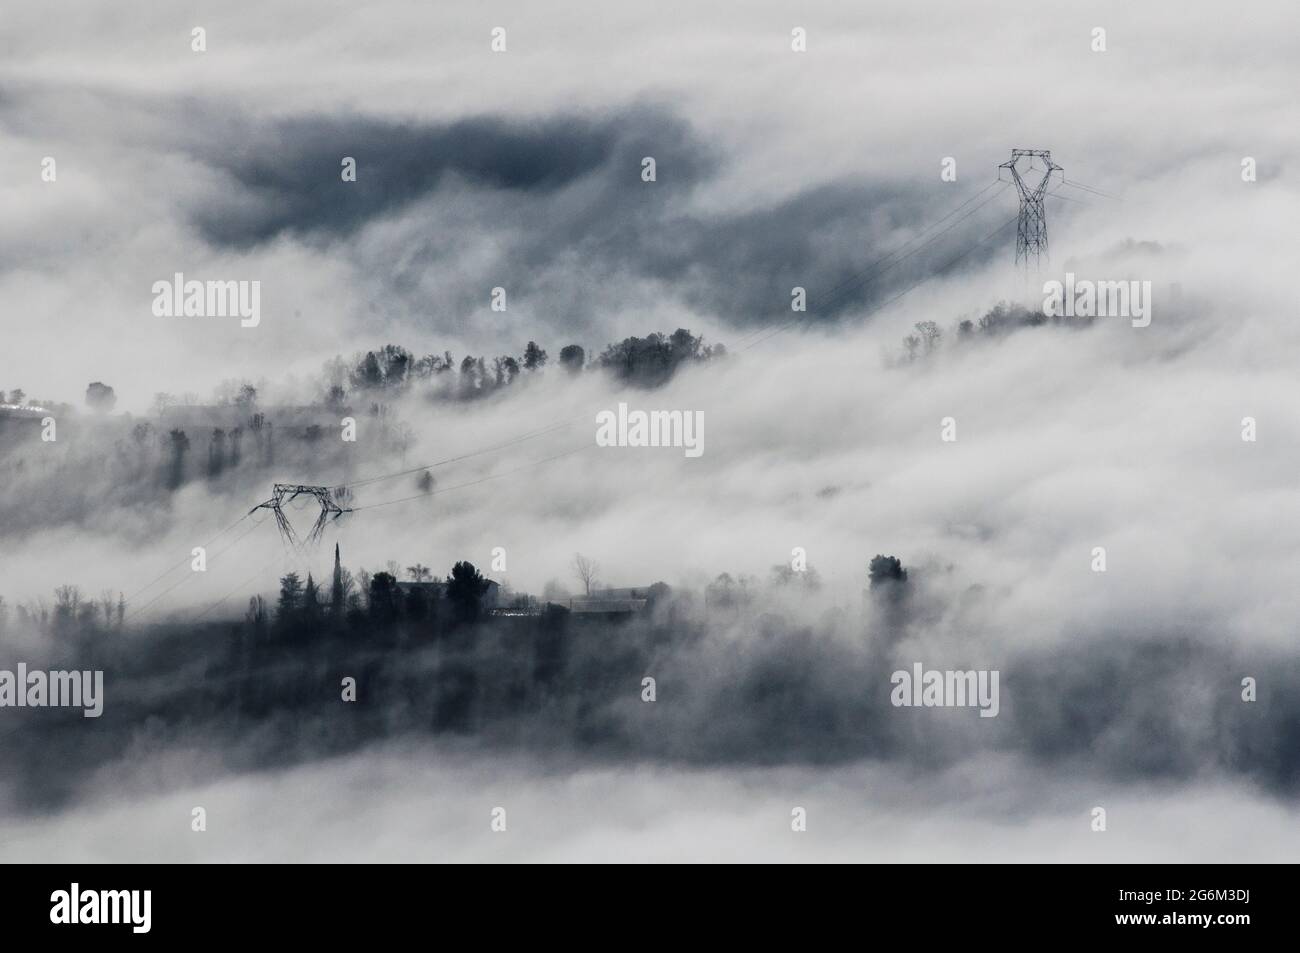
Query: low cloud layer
x=773 y=171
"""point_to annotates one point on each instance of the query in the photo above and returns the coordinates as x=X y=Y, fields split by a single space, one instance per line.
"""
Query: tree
x=652 y=360
x=534 y=357
x=246 y=399
x=338 y=594
x=311 y=607
x=465 y=588
x=179 y=444
x=505 y=369
x=368 y=375
x=1006 y=317
x=161 y=401
x=256 y=614
x=216 y=452
x=100 y=397
x=585 y=569
x=888 y=590
x=384 y=594
x=929 y=333
x=470 y=376
x=724 y=593
x=67 y=607
x=555 y=591
x=363 y=586
x=572 y=358
x=336 y=397
x=397 y=362
x=783 y=575
x=290 y=597
x=885 y=570
x=416 y=606
x=419 y=573
x=17 y=397
x=684 y=346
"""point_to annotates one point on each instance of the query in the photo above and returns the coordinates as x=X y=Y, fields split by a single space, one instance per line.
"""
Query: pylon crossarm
x=283 y=493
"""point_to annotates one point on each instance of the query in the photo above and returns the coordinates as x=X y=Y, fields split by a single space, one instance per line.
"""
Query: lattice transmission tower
x=1031 y=233
x=284 y=493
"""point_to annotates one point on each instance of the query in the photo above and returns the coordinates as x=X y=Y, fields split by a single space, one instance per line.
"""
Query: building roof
x=591 y=604
x=437 y=585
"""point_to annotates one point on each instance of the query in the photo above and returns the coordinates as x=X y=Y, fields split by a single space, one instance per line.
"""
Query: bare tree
x=419 y=573
x=929 y=333
x=67 y=599
x=67 y=607
x=161 y=401
x=585 y=569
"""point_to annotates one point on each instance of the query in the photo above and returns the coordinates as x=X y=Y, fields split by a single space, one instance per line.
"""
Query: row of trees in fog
x=642 y=362
x=369 y=601
x=999 y=321
x=71 y=612
x=392 y=369
x=366 y=601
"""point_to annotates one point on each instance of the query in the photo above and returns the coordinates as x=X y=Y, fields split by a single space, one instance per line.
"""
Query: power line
x=172 y=569
x=464 y=456
x=1066 y=198
x=1089 y=188
x=954 y=260
x=143 y=610
x=841 y=288
x=459 y=486
x=829 y=298
x=1001 y=228
x=872 y=266
x=855 y=280
x=825 y=303
x=136 y=614
x=822 y=307
x=255 y=574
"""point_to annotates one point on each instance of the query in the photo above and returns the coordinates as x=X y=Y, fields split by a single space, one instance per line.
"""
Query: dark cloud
x=553 y=190
x=292 y=168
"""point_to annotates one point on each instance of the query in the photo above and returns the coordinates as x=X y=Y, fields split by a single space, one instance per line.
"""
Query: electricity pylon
x=283 y=493
x=1031 y=234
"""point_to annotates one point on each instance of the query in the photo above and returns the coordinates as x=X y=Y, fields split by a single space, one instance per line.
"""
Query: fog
x=775 y=170
x=433 y=804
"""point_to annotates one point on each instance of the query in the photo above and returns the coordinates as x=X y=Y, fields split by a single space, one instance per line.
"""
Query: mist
x=824 y=430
